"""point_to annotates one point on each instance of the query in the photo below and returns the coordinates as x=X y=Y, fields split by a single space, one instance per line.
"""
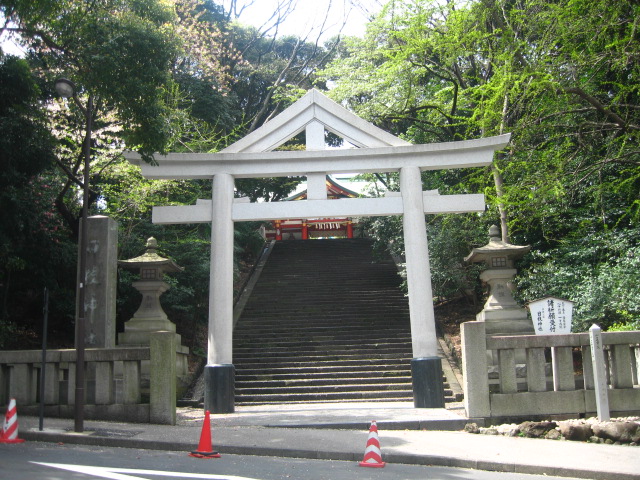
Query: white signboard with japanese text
x=551 y=316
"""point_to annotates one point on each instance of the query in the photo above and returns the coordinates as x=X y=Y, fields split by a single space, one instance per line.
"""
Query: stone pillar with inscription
x=501 y=313
x=101 y=282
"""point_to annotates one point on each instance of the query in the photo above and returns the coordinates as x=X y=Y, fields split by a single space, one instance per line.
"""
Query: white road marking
x=117 y=473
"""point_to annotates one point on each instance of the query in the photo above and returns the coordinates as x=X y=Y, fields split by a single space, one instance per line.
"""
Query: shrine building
x=309 y=228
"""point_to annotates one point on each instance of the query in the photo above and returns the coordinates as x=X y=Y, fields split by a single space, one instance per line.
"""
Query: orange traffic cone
x=372 y=454
x=205 y=449
x=10 y=425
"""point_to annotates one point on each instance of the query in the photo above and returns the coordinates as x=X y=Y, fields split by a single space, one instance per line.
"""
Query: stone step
x=315 y=359
x=286 y=401
x=311 y=325
x=378 y=334
x=334 y=348
x=305 y=368
x=242 y=391
x=305 y=315
x=285 y=314
x=292 y=380
x=302 y=402
x=302 y=347
x=243 y=385
x=395 y=395
x=304 y=337
x=328 y=366
x=354 y=308
x=355 y=303
x=379 y=319
x=325 y=323
x=333 y=375
x=389 y=291
x=321 y=389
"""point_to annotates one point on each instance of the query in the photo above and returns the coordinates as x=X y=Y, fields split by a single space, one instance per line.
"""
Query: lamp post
x=66 y=89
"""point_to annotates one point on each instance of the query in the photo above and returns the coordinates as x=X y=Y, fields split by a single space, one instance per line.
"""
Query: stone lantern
x=150 y=317
x=502 y=314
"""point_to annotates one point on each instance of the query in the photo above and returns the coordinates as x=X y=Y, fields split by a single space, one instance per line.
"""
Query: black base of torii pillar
x=219 y=393
x=428 y=389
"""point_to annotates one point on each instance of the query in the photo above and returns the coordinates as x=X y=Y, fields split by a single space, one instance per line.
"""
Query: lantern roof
x=496 y=247
x=150 y=258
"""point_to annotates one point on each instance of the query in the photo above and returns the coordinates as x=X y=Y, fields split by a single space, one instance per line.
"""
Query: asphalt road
x=33 y=460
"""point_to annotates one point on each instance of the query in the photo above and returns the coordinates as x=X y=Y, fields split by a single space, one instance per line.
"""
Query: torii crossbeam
x=378 y=152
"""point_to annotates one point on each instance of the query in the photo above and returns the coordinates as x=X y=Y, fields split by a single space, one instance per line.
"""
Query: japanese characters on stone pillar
x=376 y=151
x=101 y=282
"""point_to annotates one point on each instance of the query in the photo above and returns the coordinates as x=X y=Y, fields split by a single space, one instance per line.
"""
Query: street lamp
x=66 y=89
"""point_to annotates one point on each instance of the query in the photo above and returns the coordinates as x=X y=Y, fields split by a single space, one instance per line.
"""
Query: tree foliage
x=116 y=50
x=159 y=76
x=561 y=77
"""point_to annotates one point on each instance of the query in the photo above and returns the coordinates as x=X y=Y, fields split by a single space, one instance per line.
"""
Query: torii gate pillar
x=426 y=366
x=219 y=373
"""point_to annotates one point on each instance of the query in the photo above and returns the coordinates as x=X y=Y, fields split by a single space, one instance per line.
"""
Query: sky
x=307 y=16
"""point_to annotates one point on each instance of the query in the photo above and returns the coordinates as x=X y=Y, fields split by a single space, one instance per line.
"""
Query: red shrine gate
x=304 y=229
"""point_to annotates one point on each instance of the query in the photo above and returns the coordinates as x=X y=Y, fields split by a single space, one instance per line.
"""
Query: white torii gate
x=378 y=152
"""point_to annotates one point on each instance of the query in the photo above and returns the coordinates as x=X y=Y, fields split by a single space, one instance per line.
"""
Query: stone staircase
x=324 y=323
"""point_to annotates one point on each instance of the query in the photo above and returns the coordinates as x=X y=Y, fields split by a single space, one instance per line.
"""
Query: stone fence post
x=475 y=369
x=162 y=409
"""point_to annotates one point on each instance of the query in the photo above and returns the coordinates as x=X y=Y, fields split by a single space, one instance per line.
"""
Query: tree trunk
x=499 y=181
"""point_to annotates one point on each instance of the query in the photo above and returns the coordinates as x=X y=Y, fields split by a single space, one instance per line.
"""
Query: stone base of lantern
x=506 y=321
x=141 y=338
x=137 y=331
x=151 y=318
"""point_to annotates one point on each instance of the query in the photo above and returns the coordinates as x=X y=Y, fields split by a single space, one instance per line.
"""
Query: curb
x=390 y=457
x=445 y=425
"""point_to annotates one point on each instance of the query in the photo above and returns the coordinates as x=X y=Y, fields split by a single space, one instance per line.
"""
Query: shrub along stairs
x=324 y=323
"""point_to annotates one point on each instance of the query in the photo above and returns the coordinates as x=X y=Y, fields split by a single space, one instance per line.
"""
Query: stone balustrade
x=556 y=378
x=114 y=382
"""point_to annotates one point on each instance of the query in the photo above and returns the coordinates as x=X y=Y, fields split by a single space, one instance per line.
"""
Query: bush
x=599 y=272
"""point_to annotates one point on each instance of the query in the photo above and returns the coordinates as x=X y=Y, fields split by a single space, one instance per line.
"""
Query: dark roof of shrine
x=334 y=190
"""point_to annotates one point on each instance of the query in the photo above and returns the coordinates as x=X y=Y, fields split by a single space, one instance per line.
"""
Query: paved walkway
x=340 y=431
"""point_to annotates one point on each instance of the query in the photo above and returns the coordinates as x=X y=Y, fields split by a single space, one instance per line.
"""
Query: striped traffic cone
x=205 y=449
x=372 y=454
x=10 y=425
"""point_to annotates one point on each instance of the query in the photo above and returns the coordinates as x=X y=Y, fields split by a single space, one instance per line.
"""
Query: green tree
x=560 y=76
x=29 y=228
x=116 y=50
x=119 y=54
